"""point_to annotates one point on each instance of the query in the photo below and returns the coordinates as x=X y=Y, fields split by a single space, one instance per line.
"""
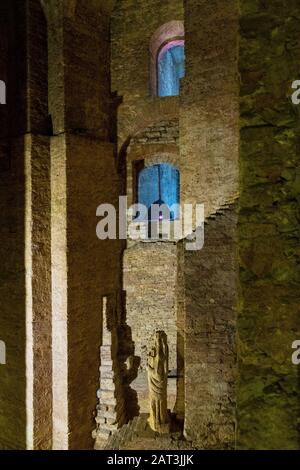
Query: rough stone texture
x=209 y=104
x=150 y=295
x=38 y=292
x=111 y=413
x=150 y=126
x=79 y=84
x=83 y=175
x=84 y=269
x=210 y=277
x=25 y=221
x=206 y=155
x=134 y=116
x=93 y=271
x=268 y=393
x=164 y=132
x=12 y=303
x=5 y=47
x=133 y=24
x=132 y=27
x=54 y=271
x=87 y=48
x=137 y=435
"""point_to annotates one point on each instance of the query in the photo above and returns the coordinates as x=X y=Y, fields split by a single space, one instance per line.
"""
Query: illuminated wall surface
x=171 y=68
x=159 y=183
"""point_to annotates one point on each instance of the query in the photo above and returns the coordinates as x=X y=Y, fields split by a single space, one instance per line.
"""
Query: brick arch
x=134 y=118
x=155 y=153
x=165 y=156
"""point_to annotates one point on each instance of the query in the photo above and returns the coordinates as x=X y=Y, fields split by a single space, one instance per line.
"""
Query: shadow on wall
x=12 y=305
x=129 y=363
x=12 y=226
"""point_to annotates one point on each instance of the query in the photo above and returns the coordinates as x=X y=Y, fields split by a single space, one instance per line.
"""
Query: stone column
x=25 y=313
x=83 y=175
x=110 y=410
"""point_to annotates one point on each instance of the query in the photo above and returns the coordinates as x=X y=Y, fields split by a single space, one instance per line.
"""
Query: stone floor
x=137 y=435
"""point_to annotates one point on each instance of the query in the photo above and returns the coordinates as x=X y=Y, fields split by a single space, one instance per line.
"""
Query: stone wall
x=150 y=282
x=209 y=104
x=210 y=281
x=147 y=129
x=25 y=233
x=12 y=304
x=12 y=266
x=164 y=132
x=132 y=26
x=58 y=270
x=93 y=271
x=58 y=164
x=205 y=149
x=83 y=171
x=84 y=269
x=268 y=393
x=83 y=175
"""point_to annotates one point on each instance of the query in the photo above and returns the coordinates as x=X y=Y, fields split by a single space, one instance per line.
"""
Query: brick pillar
x=110 y=411
x=83 y=175
x=25 y=310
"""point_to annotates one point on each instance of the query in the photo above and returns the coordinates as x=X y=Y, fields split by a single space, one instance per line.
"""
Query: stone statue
x=157 y=365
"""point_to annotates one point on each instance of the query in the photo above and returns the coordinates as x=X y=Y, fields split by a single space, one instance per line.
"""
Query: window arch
x=160 y=184
x=167 y=59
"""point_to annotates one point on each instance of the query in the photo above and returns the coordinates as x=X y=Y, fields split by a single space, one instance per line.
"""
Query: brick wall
x=164 y=132
x=133 y=24
x=150 y=282
x=210 y=280
x=209 y=103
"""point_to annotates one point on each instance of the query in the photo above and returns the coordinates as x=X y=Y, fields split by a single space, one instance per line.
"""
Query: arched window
x=170 y=68
x=167 y=59
x=159 y=184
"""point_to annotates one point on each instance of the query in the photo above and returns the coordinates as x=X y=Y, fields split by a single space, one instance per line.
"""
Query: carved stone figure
x=157 y=365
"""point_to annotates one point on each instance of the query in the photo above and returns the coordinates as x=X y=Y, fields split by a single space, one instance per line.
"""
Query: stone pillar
x=211 y=296
x=83 y=175
x=25 y=313
x=209 y=105
x=110 y=410
x=209 y=146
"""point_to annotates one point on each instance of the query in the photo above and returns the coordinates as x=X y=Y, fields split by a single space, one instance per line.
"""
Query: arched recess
x=133 y=119
x=170 y=32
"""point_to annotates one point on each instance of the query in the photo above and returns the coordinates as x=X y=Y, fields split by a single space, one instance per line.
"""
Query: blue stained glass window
x=171 y=68
x=159 y=184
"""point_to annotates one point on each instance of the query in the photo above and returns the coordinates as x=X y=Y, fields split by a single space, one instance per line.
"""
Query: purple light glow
x=170 y=45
